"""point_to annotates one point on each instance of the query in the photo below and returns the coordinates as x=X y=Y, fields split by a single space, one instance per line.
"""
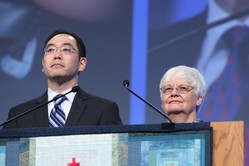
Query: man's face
x=177 y=102
x=61 y=59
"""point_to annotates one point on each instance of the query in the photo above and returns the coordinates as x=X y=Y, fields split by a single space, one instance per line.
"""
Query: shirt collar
x=52 y=94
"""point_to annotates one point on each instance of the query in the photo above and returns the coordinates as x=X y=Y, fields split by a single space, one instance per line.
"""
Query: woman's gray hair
x=191 y=75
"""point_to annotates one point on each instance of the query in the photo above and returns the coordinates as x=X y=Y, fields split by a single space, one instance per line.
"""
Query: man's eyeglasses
x=65 y=49
x=182 y=89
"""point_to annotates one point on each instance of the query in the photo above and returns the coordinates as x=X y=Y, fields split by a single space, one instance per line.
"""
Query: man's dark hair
x=80 y=44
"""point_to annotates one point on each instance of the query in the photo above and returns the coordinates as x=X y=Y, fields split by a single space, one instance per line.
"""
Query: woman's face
x=178 y=97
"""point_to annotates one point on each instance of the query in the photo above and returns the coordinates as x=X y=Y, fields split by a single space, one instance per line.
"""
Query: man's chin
x=58 y=78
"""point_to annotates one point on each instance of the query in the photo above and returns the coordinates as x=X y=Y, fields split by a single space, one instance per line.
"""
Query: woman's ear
x=199 y=101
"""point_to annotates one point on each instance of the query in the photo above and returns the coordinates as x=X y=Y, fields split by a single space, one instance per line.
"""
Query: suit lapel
x=41 y=114
x=77 y=109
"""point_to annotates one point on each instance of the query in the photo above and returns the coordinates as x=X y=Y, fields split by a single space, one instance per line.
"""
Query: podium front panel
x=145 y=145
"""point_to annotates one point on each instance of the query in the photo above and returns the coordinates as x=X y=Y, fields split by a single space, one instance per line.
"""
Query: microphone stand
x=126 y=85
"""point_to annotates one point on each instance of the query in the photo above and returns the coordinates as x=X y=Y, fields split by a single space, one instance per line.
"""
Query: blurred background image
x=127 y=39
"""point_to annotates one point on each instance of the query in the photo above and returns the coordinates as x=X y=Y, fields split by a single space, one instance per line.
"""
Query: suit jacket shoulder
x=37 y=117
x=88 y=109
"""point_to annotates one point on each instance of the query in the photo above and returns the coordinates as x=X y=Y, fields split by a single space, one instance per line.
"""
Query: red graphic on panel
x=73 y=163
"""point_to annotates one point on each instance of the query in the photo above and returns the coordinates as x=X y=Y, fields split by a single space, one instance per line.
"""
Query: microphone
x=126 y=84
x=74 y=89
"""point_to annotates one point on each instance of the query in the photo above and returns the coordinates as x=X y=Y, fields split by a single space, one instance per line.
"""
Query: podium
x=230 y=143
x=215 y=143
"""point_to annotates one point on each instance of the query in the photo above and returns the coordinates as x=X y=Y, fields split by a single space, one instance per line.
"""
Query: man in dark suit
x=64 y=59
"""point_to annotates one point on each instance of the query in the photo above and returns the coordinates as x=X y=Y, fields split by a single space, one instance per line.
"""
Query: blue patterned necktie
x=57 y=116
x=225 y=95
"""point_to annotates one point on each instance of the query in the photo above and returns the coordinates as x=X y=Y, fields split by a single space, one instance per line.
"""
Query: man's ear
x=82 y=64
x=42 y=65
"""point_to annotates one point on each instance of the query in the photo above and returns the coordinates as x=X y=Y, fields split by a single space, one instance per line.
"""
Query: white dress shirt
x=66 y=105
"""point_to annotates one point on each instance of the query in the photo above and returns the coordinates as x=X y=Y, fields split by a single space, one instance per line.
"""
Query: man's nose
x=58 y=54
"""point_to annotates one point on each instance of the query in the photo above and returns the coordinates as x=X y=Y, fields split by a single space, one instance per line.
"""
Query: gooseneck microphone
x=74 y=89
x=126 y=84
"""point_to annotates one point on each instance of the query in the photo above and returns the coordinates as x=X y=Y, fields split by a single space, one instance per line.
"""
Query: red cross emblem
x=73 y=163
